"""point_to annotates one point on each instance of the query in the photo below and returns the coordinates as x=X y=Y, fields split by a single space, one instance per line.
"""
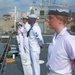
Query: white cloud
x=64 y=2
x=8 y=5
x=22 y=5
x=11 y=3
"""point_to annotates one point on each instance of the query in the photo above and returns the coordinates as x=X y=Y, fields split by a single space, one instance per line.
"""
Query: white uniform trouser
x=35 y=62
x=26 y=46
x=21 y=43
x=52 y=73
x=26 y=68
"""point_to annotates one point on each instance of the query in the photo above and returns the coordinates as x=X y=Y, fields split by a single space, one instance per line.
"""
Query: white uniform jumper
x=60 y=53
x=35 y=41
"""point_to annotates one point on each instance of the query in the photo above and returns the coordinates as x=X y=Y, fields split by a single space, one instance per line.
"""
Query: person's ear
x=60 y=20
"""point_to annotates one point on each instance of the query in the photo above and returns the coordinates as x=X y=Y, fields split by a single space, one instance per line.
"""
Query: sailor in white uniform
x=27 y=65
x=35 y=43
x=26 y=27
x=20 y=36
x=21 y=41
x=61 y=52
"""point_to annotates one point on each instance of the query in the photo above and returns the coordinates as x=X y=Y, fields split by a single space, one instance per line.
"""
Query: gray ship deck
x=15 y=68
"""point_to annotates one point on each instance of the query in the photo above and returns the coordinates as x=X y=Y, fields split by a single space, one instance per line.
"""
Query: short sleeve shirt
x=61 y=52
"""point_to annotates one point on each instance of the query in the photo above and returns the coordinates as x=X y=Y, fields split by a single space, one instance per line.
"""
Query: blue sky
x=23 y=5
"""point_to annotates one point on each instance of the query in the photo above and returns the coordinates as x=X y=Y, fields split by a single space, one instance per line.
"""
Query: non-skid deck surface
x=14 y=68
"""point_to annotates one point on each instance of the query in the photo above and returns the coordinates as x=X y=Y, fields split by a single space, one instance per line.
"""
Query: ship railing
x=3 y=57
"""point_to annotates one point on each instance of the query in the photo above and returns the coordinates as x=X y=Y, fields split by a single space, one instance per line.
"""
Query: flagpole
x=15 y=19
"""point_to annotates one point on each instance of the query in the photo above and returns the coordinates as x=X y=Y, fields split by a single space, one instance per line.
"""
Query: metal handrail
x=4 y=56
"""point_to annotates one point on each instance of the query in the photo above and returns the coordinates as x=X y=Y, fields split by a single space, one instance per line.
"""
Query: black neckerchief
x=29 y=31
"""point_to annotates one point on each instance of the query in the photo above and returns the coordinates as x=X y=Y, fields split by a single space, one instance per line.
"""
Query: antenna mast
x=15 y=19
